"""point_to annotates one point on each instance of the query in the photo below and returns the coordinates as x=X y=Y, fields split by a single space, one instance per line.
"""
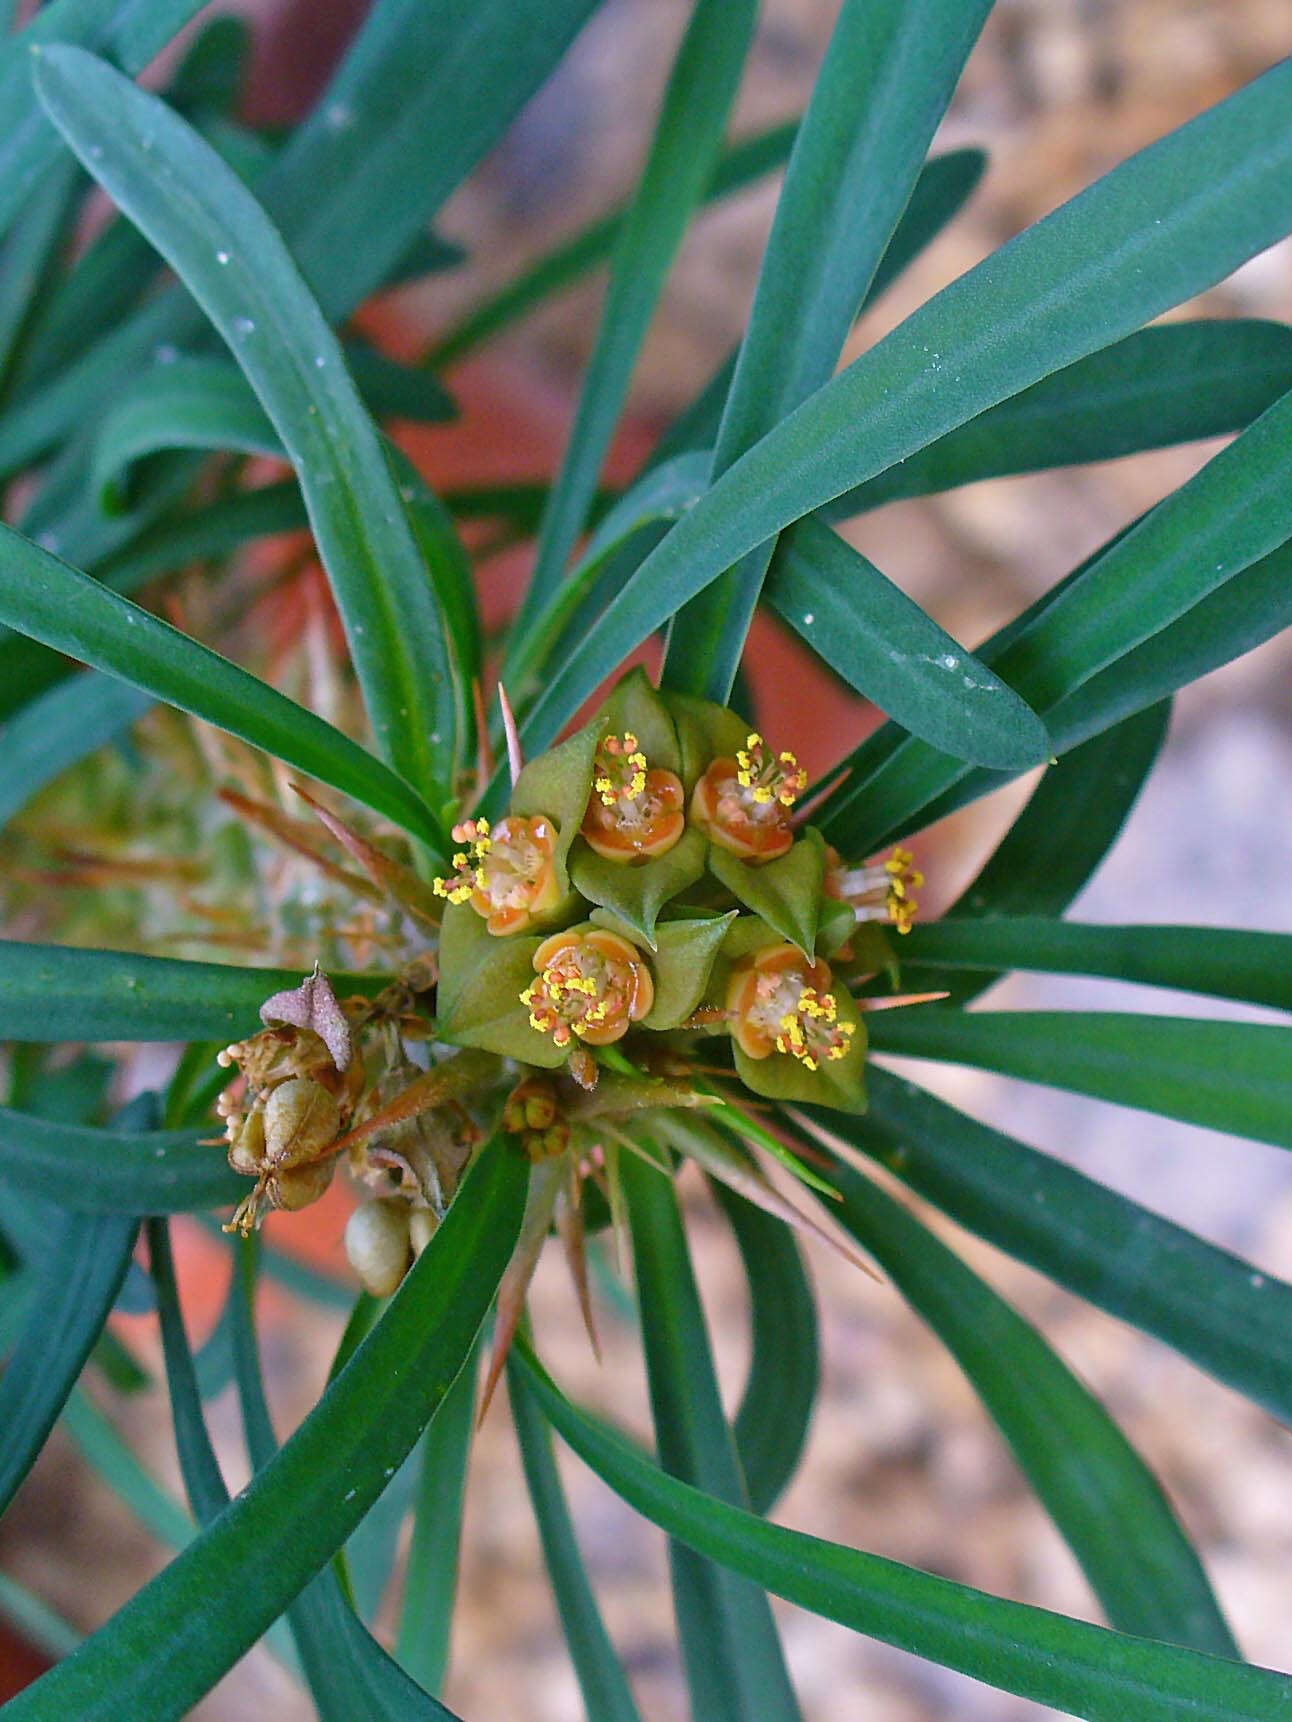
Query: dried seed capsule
x=302 y=1120
x=377 y=1244
x=247 y=1147
x=423 y=1223
x=294 y=1187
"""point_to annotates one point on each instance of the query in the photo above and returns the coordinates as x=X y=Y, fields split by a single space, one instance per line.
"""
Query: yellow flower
x=591 y=986
x=635 y=811
x=779 y=1001
x=507 y=873
x=743 y=804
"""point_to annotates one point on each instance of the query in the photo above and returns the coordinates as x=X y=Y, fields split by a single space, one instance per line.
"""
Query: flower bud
x=302 y=1120
x=377 y=1244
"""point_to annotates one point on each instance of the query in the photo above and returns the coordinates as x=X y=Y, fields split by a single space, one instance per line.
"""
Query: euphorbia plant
x=546 y=960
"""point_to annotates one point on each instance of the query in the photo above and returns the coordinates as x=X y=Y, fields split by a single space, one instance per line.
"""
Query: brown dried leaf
x=569 y=1226
x=391 y=877
x=545 y=1185
x=294 y=834
x=313 y=1005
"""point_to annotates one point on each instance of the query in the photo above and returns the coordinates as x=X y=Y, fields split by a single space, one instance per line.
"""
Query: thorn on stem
x=515 y=759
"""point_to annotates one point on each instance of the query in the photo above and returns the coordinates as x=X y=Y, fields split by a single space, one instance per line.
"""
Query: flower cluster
x=666 y=888
x=646 y=934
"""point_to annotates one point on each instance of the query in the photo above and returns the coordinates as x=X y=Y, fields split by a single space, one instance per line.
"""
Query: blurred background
x=901 y=1460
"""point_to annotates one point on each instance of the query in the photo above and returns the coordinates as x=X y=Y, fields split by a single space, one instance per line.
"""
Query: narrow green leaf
x=1175 y=383
x=213 y=1363
x=203 y=1481
x=902 y=784
x=206 y=403
x=1220 y=961
x=1069 y=824
x=1248 y=609
x=945 y=184
x=347 y=1671
x=1219 y=191
x=117 y=1364
x=424 y=91
x=431 y=1575
x=730 y=1648
x=59 y=729
x=1235 y=511
x=215 y=235
x=210 y=76
x=29 y=253
x=449 y=564
x=370 y=1555
x=105 y=283
x=743 y=163
x=1210 y=1305
x=663 y=493
x=605 y=1689
x=680 y=163
x=189 y=403
x=132 y=31
x=54 y=992
x=1230 y=1076
x=81 y=1276
x=173 y=1641
x=941 y=190
x=888 y=649
x=887 y=78
x=1085 y=1670
x=43 y=597
x=1106 y=1503
x=115 y=1171
x=771 y=1426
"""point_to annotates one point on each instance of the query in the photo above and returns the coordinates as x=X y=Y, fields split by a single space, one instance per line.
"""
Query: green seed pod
x=423 y=1223
x=302 y=1120
x=295 y=1187
x=377 y=1244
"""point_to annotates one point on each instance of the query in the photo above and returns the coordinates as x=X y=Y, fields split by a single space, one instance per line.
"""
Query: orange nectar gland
x=506 y=873
x=883 y=891
x=591 y=987
x=744 y=803
x=635 y=811
x=778 y=1001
